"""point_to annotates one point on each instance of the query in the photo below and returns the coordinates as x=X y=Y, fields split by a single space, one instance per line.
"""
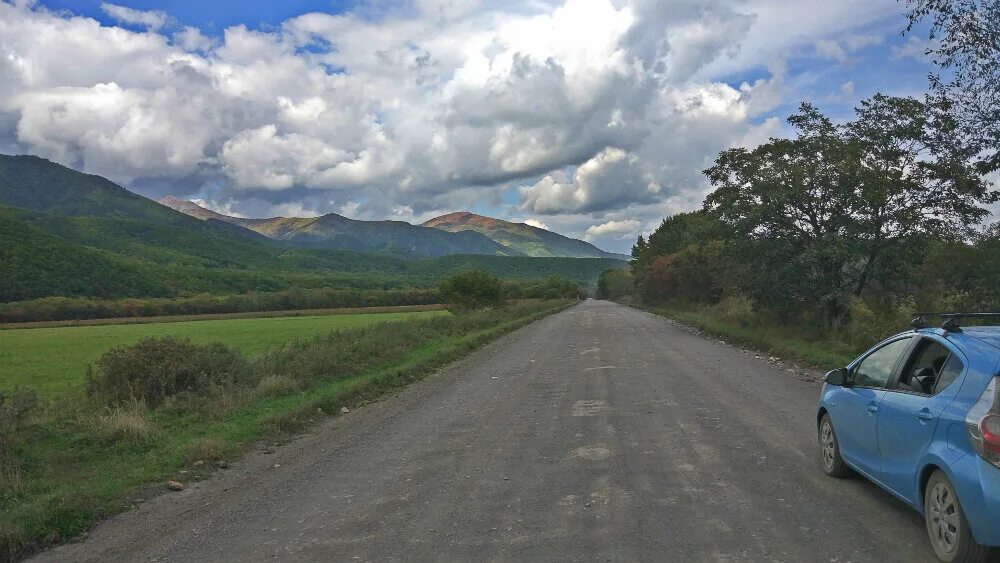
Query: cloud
x=627 y=227
x=914 y=48
x=536 y=223
x=610 y=179
x=586 y=112
x=153 y=19
x=841 y=48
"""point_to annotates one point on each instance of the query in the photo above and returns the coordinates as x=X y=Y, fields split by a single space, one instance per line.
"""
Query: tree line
x=884 y=213
x=887 y=208
x=300 y=298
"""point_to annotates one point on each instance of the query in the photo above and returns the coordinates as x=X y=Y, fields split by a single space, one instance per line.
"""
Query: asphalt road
x=600 y=433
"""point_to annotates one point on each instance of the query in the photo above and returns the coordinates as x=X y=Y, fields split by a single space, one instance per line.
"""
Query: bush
x=473 y=289
x=15 y=409
x=155 y=369
x=736 y=309
x=871 y=322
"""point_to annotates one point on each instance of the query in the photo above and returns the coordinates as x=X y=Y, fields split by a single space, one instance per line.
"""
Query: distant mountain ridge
x=530 y=240
x=468 y=233
x=336 y=231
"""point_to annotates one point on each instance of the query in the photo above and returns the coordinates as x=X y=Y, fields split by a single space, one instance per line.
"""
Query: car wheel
x=947 y=527
x=829 y=450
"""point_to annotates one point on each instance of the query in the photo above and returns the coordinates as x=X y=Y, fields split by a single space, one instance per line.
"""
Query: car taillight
x=983 y=423
x=990 y=427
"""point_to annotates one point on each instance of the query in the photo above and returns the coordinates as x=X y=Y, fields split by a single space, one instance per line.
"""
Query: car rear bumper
x=978 y=486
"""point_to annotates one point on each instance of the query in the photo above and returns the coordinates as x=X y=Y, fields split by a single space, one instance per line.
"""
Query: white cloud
x=914 y=48
x=192 y=39
x=612 y=178
x=600 y=111
x=225 y=208
x=536 y=223
x=627 y=227
x=151 y=19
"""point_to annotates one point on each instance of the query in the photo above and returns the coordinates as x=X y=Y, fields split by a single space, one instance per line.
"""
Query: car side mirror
x=840 y=377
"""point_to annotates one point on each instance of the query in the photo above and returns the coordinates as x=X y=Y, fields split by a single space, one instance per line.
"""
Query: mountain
x=529 y=240
x=68 y=234
x=336 y=231
x=30 y=182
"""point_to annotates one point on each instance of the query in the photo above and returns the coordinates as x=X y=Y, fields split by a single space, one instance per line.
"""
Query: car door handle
x=872 y=409
x=925 y=415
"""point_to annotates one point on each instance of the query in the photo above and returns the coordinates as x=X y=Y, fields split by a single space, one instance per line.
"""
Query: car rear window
x=930 y=369
x=951 y=370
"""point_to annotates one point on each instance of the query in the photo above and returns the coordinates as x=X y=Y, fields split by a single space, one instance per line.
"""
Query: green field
x=51 y=360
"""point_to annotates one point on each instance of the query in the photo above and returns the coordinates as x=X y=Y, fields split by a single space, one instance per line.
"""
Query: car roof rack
x=952 y=322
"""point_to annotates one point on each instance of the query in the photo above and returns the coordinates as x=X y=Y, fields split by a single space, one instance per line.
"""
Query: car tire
x=949 y=531
x=829 y=450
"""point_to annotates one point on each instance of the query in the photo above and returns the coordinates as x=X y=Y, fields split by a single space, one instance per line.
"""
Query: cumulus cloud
x=536 y=223
x=610 y=179
x=153 y=19
x=626 y=227
x=592 y=112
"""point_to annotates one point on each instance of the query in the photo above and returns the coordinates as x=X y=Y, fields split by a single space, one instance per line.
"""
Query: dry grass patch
x=277 y=385
x=206 y=449
x=128 y=422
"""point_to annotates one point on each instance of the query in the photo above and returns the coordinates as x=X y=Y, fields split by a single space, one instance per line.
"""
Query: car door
x=856 y=409
x=910 y=409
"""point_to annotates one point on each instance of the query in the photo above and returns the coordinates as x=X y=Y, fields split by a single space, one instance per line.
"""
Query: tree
x=674 y=233
x=691 y=274
x=915 y=177
x=965 y=37
x=614 y=283
x=789 y=201
x=472 y=289
x=827 y=210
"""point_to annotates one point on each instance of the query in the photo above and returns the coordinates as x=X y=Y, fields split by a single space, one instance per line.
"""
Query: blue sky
x=590 y=117
x=211 y=16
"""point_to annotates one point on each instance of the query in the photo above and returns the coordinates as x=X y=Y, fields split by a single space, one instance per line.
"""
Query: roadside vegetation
x=135 y=411
x=816 y=247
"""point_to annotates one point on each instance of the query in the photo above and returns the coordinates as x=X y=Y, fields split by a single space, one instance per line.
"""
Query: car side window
x=949 y=372
x=876 y=368
x=924 y=368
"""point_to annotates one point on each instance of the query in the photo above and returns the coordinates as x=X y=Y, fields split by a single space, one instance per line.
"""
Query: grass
x=69 y=473
x=223 y=316
x=783 y=342
x=53 y=360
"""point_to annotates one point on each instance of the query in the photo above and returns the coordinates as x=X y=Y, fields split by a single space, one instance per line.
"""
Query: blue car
x=919 y=414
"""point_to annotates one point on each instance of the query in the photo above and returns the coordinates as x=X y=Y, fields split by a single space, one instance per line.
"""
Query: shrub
x=155 y=369
x=473 y=289
x=736 y=309
x=15 y=409
x=870 y=322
